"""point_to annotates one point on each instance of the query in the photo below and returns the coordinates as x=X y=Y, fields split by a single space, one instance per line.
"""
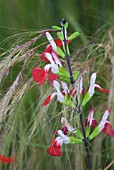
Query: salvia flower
x=55 y=148
x=6 y=160
x=51 y=40
x=67 y=127
x=90 y=120
x=91 y=89
x=58 y=93
x=104 y=126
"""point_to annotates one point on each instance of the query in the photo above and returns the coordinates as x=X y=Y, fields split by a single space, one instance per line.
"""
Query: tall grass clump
x=27 y=128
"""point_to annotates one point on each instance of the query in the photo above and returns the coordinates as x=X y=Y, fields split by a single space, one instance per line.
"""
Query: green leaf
x=60 y=52
x=63 y=74
x=86 y=99
x=73 y=36
x=56 y=28
x=79 y=134
x=64 y=79
x=75 y=140
x=68 y=101
x=60 y=35
x=87 y=131
x=76 y=75
x=94 y=133
x=66 y=25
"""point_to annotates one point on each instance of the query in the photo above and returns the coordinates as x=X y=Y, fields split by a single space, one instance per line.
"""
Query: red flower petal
x=107 y=129
x=112 y=133
x=64 y=130
x=48 y=99
x=6 y=160
x=94 y=123
x=54 y=151
x=52 y=76
x=59 y=42
x=44 y=58
x=47 y=50
x=39 y=75
x=102 y=90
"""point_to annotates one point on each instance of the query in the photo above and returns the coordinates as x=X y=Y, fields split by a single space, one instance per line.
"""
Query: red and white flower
x=67 y=127
x=90 y=120
x=51 y=40
x=55 y=148
x=58 y=93
x=104 y=120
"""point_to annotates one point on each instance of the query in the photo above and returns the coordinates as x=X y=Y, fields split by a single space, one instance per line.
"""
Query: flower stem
x=79 y=107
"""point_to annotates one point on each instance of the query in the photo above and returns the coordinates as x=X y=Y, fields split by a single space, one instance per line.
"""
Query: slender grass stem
x=79 y=106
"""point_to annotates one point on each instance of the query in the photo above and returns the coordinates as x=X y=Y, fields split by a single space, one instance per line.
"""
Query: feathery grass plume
x=28 y=127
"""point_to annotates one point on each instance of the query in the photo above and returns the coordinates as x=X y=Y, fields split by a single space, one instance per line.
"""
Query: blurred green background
x=23 y=15
x=29 y=128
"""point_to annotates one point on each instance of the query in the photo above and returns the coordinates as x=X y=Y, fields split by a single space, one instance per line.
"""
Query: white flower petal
x=65 y=138
x=90 y=117
x=65 y=87
x=80 y=85
x=52 y=96
x=60 y=96
x=51 y=40
x=91 y=90
x=104 y=120
x=92 y=80
x=54 y=67
x=57 y=61
x=47 y=67
x=59 y=141
x=56 y=85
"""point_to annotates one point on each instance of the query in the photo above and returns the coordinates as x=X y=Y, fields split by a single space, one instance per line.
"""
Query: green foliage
x=73 y=36
x=75 y=140
x=60 y=35
x=56 y=28
x=60 y=52
x=86 y=99
x=94 y=133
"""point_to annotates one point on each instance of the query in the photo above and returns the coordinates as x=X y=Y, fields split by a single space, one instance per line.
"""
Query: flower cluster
x=76 y=96
x=50 y=55
x=62 y=138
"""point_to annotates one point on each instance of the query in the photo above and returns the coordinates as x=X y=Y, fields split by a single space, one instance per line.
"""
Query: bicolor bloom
x=52 y=53
x=39 y=75
x=104 y=126
x=90 y=121
x=92 y=84
x=51 y=40
x=53 y=65
x=91 y=90
x=58 y=93
x=108 y=129
x=6 y=160
x=104 y=120
x=67 y=127
x=101 y=89
x=55 y=148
